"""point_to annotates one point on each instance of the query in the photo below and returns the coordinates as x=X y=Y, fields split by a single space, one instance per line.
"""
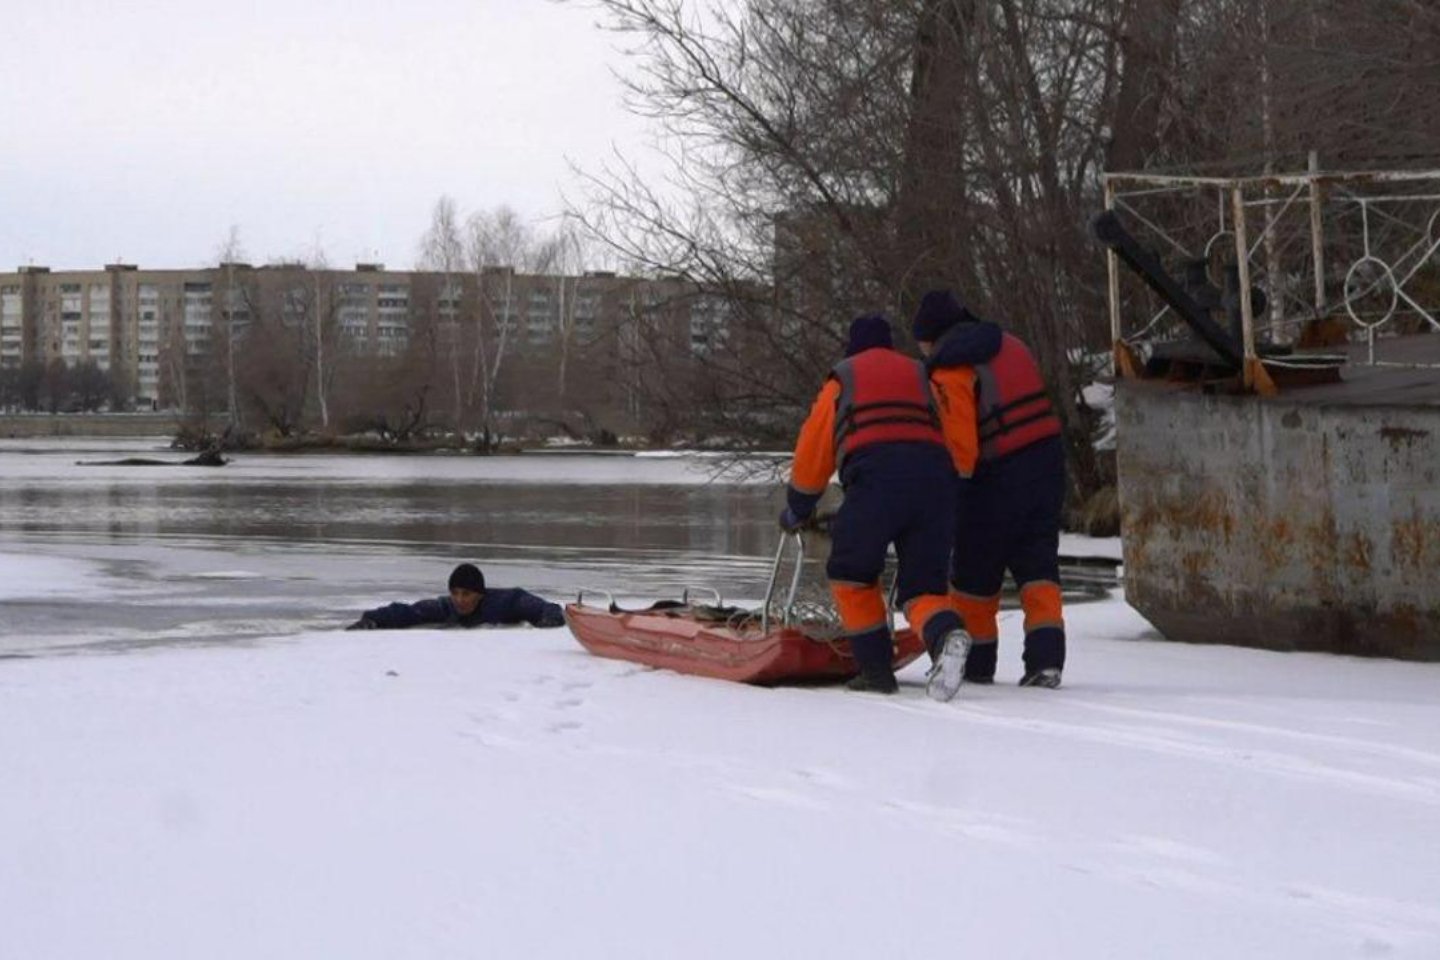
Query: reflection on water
x=299 y=543
x=723 y=519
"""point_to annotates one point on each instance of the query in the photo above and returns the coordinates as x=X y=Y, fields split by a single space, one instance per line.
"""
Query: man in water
x=468 y=605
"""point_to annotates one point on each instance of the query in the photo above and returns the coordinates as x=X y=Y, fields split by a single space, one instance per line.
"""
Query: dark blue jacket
x=967 y=345
x=497 y=608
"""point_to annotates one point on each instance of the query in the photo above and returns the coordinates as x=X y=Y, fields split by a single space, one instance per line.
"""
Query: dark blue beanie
x=868 y=332
x=939 y=311
x=467 y=576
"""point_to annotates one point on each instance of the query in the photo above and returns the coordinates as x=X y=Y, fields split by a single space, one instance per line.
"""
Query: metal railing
x=1361 y=250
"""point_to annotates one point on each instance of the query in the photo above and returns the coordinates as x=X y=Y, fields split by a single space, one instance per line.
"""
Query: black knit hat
x=867 y=333
x=939 y=311
x=467 y=576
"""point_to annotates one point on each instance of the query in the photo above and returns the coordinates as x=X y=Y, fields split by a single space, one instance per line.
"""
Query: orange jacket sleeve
x=815 y=450
x=954 y=391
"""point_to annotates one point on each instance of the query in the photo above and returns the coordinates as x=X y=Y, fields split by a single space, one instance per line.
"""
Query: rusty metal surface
x=1282 y=524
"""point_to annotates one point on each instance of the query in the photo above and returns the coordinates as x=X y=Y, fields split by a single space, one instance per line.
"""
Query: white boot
x=947 y=673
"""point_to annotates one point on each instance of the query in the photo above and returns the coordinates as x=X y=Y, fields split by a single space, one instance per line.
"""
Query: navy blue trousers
x=1008 y=518
x=901 y=494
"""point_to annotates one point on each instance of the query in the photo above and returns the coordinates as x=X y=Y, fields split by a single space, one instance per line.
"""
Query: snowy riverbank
x=503 y=794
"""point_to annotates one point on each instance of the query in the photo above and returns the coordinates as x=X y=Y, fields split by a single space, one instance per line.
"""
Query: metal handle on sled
x=799 y=539
x=609 y=597
x=775 y=574
x=685 y=595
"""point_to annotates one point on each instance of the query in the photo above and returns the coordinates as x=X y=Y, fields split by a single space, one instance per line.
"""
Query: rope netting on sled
x=799 y=594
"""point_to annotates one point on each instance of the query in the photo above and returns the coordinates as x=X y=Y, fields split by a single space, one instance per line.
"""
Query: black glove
x=364 y=623
x=791 y=522
x=550 y=618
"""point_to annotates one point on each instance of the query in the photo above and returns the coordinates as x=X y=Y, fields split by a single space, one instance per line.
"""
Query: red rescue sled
x=772 y=645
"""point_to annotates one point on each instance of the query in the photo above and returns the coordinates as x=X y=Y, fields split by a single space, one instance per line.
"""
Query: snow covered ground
x=504 y=794
x=195 y=763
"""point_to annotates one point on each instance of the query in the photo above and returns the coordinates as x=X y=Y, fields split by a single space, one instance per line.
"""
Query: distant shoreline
x=166 y=427
x=20 y=426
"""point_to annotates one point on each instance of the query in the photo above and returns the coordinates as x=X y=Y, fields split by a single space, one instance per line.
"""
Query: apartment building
x=151 y=328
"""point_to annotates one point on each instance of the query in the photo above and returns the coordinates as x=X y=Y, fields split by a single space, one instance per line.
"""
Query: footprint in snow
x=821 y=778
x=1166 y=848
x=780 y=796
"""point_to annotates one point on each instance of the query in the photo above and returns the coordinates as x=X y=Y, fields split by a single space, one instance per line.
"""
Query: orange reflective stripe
x=861 y=606
x=1041 y=601
x=980 y=614
x=919 y=610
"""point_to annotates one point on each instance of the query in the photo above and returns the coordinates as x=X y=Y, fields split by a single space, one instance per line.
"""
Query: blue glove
x=791 y=522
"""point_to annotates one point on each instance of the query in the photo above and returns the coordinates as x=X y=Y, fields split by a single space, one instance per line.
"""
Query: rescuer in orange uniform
x=875 y=417
x=1005 y=440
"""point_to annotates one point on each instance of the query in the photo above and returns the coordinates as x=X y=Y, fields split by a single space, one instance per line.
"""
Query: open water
x=106 y=557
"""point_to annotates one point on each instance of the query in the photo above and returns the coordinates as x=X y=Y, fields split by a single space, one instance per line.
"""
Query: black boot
x=1049 y=678
x=980 y=664
x=1044 y=657
x=874 y=652
x=874 y=683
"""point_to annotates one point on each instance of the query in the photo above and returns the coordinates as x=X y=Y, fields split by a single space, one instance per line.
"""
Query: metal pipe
x=1112 y=267
x=1111 y=232
x=1317 y=235
x=1291 y=179
x=770 y=589
x=1247 y=312
x=795 y=577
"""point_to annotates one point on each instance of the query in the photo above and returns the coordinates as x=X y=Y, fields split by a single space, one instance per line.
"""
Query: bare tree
x=89 y=387
x=1149 y=43
x=229 y=255
x=442 y=249
x=845 y=155
x=318 y=309
x=55 y=386
x=562 y=256
x=1261 y=82
x=389 y=396
x=9 y=388
x=786 y=119
x=1039 y=88
x=175 y=369
x=276 y=362
x=29 y=384
x=275 y=375
x=497 y=243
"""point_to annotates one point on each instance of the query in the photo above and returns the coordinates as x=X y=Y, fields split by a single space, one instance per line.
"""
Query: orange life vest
x=884 y=398
x=1012 y=406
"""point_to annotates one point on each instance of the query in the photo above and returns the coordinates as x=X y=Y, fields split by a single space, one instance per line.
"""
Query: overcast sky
x=141 y=131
